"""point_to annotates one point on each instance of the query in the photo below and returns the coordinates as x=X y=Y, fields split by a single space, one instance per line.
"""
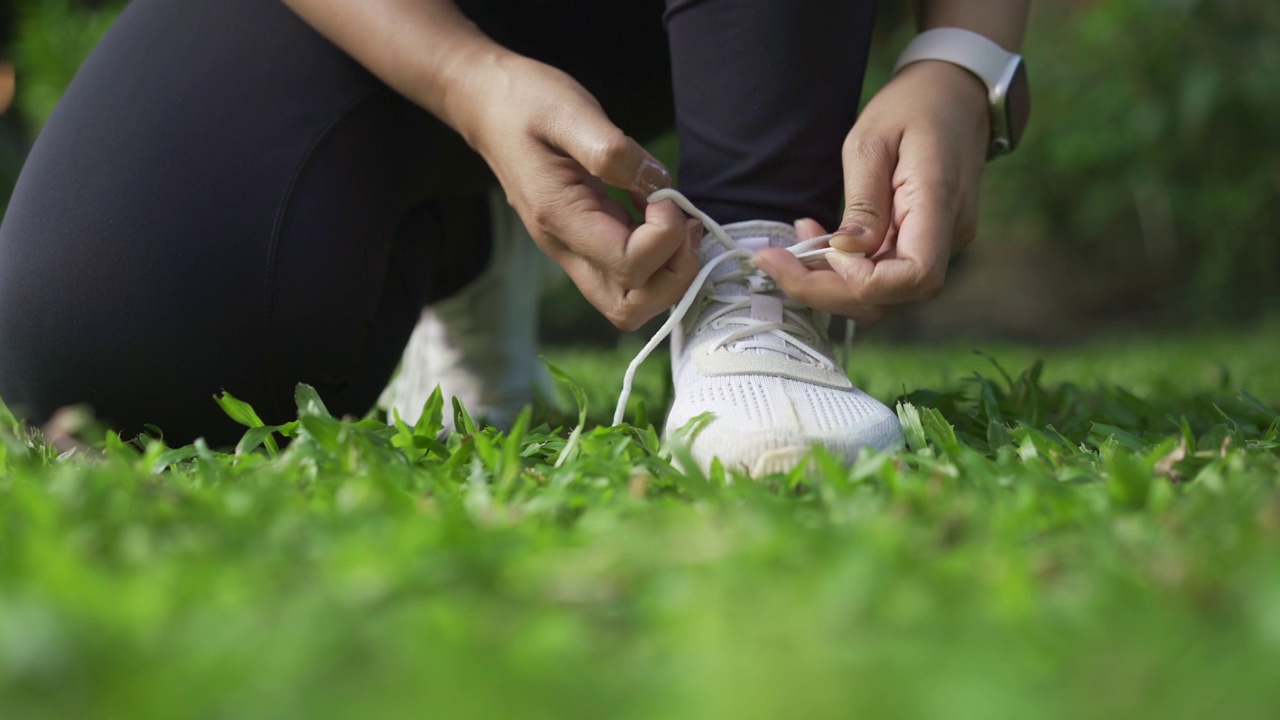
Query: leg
x=765 y=92
x=223 y=200
x=481 y=344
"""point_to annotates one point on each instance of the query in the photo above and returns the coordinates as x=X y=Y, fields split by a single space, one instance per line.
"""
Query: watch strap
x=970 y=50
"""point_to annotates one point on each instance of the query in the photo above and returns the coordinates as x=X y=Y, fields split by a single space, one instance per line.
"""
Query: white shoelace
x=794 y=329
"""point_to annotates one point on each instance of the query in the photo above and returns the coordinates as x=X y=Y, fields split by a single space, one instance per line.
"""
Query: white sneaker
x=759 y=362
x=481 y=345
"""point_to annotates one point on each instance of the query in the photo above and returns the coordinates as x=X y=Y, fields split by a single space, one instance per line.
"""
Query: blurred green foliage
x=1152 y=153
x=1045 y=548
x=49 y=40
x=52 y=39
x=1154 y=149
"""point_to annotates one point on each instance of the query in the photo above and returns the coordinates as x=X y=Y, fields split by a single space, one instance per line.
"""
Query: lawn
x=1097 y=536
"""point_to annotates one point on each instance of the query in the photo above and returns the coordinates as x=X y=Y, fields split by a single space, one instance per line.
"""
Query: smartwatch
x=1003 y=72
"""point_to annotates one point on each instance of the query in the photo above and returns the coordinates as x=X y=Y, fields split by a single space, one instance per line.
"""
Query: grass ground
x=1096 y=538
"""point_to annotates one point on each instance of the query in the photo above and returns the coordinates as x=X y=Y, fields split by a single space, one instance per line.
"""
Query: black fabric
x=224 y=200
x=765 y=93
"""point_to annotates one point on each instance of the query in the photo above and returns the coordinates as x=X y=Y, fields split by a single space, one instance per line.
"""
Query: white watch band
x=965 y=48
x=1000 y=70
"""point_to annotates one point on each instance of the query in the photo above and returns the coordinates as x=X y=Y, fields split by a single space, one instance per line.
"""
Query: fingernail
x=695 y=236
x=841 y=262
x=761 y=262
x=651 y=177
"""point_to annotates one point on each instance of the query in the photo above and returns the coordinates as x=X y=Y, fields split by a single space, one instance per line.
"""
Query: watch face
x=1018 y=104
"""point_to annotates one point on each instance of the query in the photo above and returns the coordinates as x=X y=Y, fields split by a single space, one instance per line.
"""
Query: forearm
x=425 y=49
x=1003 y=21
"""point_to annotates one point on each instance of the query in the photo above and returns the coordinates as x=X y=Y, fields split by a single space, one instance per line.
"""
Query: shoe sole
x=884 y=435
x=781 y=460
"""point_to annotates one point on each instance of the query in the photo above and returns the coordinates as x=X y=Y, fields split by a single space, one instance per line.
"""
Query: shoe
x=481 y=345
x=760 y=363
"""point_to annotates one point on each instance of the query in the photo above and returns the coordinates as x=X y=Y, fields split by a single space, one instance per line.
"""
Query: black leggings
x=225 y=200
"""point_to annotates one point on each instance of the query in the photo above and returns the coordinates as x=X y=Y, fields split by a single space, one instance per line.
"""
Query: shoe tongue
x=752 y=235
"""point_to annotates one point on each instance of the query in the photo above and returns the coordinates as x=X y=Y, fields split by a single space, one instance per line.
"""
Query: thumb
x=610 y=154
x=868 y=195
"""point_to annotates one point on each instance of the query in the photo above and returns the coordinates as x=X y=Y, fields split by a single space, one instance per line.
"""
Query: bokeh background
x=1146 y=196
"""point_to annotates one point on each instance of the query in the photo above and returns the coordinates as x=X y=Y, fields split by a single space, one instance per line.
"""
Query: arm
x=913 y=165
x=546 y=138
x=1003 y=21
x=424 y=49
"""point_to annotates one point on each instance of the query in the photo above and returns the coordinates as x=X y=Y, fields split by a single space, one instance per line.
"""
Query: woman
x=245 y=194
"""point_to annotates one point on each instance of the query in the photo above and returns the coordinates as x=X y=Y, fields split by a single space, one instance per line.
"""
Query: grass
x=1095 y=537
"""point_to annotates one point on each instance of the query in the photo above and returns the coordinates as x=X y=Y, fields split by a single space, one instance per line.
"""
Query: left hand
x=913 y=164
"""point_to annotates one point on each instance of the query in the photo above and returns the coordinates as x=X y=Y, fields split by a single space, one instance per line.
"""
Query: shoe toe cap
x=758 y=449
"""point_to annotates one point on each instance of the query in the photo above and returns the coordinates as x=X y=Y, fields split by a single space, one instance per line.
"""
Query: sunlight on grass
x=1094 y=537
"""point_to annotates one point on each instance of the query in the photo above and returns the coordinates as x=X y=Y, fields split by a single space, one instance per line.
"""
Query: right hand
x=554 y=150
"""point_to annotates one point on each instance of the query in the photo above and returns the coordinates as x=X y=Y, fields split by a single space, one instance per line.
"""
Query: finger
x=668 y=285
x=652 y=244
x=639 y=200
x=602 y=294
x=615 y=209
x=916 y=269
x=631 y=259
x=807 y=228
x=869 y=163
x=851 y=281
x=587 y=226
x=892 y=281
x=696 y=233
x=929 y=204
x=608 y=153
x=629 y=309
x=822 y=290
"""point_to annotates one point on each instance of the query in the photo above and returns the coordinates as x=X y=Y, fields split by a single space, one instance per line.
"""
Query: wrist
x=468 y=79
x=1003 y=74
x=959 y=91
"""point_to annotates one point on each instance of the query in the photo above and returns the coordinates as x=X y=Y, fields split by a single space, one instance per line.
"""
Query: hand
x=544 y=136
x=554 y=150
x=913 y=164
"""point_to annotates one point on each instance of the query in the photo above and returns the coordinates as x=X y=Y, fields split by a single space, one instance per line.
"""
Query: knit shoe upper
x=762 y=365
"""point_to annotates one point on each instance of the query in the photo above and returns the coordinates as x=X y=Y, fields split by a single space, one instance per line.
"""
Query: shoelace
x=791 y=329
